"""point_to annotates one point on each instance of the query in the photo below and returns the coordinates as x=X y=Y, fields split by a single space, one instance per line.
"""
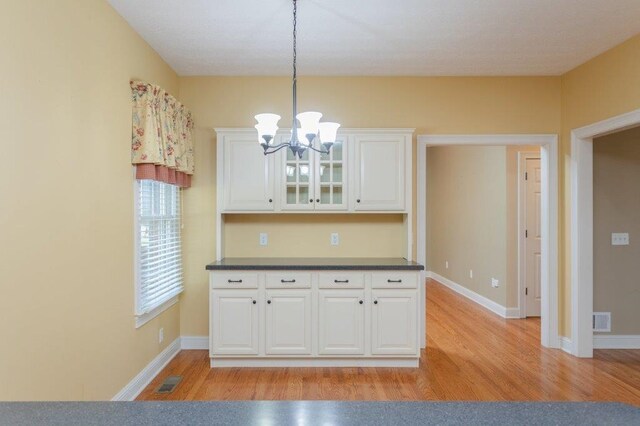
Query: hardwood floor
x=471 y=354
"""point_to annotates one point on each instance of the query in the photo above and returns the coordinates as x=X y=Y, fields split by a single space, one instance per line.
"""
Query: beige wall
x=472 y=217
x=604 y=87
x=431 y=105
x=467 y=215
x=616 y=207
x=66 y=210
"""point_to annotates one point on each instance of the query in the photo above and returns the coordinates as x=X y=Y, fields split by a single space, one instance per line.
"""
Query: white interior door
x=533 y=236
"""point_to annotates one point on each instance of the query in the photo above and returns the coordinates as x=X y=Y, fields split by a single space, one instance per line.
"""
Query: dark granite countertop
x=315 y=264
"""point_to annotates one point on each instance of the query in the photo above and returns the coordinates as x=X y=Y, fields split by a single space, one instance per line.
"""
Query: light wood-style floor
x=471 y=355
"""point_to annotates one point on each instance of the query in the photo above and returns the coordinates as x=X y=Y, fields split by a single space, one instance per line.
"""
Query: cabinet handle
x=358 y=200
x=234 y=281
x=375 y=302
x=361 y=302
x=394 y=281
x=268 y=302
x=254 y=302
x=287 y=281
x=341 y=281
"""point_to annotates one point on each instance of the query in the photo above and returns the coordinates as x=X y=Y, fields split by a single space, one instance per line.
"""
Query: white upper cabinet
x=382 y=172
x=316 y=181
x=365 y=170
x=247 y=179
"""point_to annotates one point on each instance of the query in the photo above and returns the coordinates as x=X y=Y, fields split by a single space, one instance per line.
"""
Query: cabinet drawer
x=233 y=280
x=391 y=279
x=338 y=279
x=288 y=280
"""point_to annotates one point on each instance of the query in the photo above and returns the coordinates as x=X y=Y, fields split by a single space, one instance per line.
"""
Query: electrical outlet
x=620 y=239
x=335 y=239
x=446 y=264
x=470 y=273
x=161 y=335
x=264 y=239
x=495 y=283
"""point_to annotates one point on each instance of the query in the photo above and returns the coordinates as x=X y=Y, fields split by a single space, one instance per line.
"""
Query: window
x=158 y=248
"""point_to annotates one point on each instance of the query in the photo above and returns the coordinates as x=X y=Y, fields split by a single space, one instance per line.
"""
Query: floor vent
x=169 y=384
x=602 y=321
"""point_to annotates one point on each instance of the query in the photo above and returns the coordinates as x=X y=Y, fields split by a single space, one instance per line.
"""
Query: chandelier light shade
x=306 y=128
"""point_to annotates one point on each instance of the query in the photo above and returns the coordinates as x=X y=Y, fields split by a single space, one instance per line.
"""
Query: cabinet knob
x=375 y=302
x=269 y=302
x=254 y=302
x=311 y=200
x=361 y=302
x=358 y=200
x=270 y=200
x=317 y=200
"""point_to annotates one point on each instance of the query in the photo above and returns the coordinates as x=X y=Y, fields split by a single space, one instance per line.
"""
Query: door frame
x=582 y=225
x=549 y=161
x=522 y=255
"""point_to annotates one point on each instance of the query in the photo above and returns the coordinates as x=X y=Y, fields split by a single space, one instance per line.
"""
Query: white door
x=248 y=174
x=533 y=236
x=393 y=322
x=379 y=172
x=341 y=322
x=234 y=322
x=288 y=327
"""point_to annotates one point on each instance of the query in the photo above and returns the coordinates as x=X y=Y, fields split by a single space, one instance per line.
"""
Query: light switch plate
x=620 y=239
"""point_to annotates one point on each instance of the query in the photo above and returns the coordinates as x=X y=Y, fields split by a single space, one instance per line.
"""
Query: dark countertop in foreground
x=315 y=264
x=317 y=413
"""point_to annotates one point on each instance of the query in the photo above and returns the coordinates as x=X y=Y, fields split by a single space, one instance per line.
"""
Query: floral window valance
x=161 y=139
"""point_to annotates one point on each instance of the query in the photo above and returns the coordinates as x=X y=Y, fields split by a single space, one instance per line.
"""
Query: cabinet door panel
x=248 y=174
x=380 y=173
x=341 y=322
x=393 y=322
x=234 y=322
x=288 y=325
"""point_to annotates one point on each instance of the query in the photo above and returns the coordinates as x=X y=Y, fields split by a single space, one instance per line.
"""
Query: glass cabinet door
x=298 y=181
x=331 y=178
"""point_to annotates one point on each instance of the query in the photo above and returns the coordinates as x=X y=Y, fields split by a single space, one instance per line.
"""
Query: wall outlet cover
x=335 y=239
x=620 y=239
x=495 y=283
x=470 y=273
x=161 y=335
x=446 y=264
x=264 y=239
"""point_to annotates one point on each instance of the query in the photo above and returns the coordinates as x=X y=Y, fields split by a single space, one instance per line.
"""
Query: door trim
x=549 y=162
x=522 y=168
x=582 y=225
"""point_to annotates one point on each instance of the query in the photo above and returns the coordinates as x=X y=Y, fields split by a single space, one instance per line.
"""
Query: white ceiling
x=381 y=37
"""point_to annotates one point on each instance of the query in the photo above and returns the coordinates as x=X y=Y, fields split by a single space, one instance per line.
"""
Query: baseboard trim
x=513 y=313
x=616 y=341
x=194 y=342
x=566 y=344
x=314 y=362
x=494 y=307
x=148 y=373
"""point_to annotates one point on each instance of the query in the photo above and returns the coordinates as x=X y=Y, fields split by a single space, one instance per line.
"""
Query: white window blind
x=159 y=251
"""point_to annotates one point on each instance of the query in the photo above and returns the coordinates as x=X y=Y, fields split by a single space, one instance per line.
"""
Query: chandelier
x=310 y=129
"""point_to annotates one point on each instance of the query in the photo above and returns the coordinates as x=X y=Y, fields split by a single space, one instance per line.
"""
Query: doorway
x=548 y=219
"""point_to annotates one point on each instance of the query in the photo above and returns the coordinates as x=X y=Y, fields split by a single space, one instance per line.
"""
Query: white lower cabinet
x=341 y=322
x=288 y=324
x=314 y=318
x=393 y=322
x=234 y=322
